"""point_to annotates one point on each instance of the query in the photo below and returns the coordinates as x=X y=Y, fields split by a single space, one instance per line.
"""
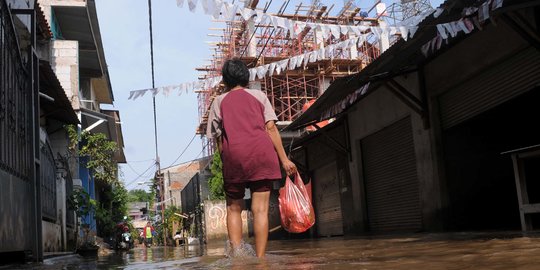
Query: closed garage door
x=327 y=201
x=511 y=78
x=392 y=189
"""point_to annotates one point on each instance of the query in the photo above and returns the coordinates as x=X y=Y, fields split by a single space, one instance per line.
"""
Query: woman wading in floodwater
x=242 y=122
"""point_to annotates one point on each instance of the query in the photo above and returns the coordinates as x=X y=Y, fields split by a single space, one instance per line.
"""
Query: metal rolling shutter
x=518 y=74
x=329 y=220
x=392 y=188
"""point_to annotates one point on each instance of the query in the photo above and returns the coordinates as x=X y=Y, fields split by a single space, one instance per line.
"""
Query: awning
x=108 y=123
x=402 y=58
x=118 y=135
x=80 y=23
x=59 y=107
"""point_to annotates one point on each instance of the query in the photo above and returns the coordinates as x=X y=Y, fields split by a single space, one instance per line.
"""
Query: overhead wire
x=183 y=151
x=140 y=175
x=133 y=170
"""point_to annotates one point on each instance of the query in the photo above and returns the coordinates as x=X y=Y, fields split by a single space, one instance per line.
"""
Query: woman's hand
x=289 y=167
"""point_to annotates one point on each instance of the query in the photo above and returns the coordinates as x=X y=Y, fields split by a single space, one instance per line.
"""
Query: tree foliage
x=81 y=203
x=171 y=218
x=100 y=152
x=140 y=195
x=112 y=209
x=216 y=180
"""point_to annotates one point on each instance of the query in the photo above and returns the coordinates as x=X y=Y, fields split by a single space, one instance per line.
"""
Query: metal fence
x=15 y=102
x=63 y=168
x=48 y=183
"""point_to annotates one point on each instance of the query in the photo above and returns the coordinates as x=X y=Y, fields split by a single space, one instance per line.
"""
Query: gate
x=20 y=230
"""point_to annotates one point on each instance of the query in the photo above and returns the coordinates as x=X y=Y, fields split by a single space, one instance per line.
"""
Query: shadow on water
x=418 y=251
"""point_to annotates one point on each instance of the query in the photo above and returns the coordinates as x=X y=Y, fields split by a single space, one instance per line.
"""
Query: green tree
x=216 y=180
x=80 y=202
x=99 y=151
x=171 y=217
x=112 y=208
x=140 y=195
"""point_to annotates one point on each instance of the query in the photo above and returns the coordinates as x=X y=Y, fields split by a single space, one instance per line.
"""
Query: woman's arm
x=273 y=132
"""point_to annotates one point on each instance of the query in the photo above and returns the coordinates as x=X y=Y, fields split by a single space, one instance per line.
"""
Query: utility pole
x=158 y=177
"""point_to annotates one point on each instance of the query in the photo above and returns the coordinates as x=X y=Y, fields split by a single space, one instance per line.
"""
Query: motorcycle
x=123 y=236
x=125 y=242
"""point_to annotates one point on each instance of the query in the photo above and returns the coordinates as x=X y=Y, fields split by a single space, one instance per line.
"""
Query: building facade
x=418 y=136
x=78 y=60
x=41 y=93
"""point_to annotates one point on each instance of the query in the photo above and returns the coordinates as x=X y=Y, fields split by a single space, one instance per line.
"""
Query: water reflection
x=426 y=251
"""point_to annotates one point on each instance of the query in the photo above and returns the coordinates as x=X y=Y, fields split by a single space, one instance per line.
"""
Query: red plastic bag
x=295 y=207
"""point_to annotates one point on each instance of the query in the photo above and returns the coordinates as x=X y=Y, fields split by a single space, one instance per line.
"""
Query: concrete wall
x=215 y=219
x=65 y=63
x=375 y=112
x=52 y=237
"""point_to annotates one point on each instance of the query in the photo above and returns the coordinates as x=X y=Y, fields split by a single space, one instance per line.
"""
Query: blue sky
x=179 y=47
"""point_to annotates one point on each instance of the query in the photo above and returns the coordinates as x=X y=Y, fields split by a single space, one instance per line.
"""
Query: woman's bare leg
x=259 y=207
x=234 y=221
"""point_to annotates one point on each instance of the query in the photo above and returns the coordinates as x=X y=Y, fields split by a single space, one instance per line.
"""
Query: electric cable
x=183 y=151
x=140 y=175
x=133 y=170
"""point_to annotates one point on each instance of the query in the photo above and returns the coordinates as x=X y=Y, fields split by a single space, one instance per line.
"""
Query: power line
x=200 y=153
x=140 y=175
x=138 y=161
x=183 y=151
x=133 y=170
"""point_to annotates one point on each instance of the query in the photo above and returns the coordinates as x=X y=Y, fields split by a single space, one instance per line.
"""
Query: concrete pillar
x=384 y=39
x=319 y=39
x=353 y=50
x=324 y=83
x=252 y=45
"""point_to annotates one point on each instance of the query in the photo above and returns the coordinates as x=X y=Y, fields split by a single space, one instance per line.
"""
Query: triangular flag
x=292 y=63
x=271 y=69
x=442 y=31
x=192 y=4
x=218 y=4
x=246 y=13
x=154 y=91
x=335 y=30
x=205 y=5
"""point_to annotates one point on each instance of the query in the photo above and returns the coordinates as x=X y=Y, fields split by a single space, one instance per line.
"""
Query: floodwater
x=418 y=251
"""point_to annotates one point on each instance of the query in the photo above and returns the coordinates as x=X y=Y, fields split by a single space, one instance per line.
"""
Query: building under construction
x=261 y=43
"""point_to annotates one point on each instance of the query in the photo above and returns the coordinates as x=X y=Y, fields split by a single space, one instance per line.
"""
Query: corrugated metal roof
x=402 y=57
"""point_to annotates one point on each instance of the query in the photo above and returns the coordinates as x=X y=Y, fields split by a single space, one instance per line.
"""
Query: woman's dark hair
x=235 y=73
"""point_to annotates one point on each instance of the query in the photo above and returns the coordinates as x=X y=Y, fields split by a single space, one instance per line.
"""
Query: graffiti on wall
x=216 y=219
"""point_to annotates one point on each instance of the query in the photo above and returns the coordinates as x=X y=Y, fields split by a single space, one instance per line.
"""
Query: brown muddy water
x=419 y=251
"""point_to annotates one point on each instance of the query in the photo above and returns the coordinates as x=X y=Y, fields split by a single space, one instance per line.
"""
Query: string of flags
x=220 y=9
x=260 y=72
x=344 y=103
x=471 y=17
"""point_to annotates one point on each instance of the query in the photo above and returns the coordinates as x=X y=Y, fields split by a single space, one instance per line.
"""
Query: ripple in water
x=242 y=251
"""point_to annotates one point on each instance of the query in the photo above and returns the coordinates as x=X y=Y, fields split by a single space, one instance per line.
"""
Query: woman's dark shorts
x=235 y=191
